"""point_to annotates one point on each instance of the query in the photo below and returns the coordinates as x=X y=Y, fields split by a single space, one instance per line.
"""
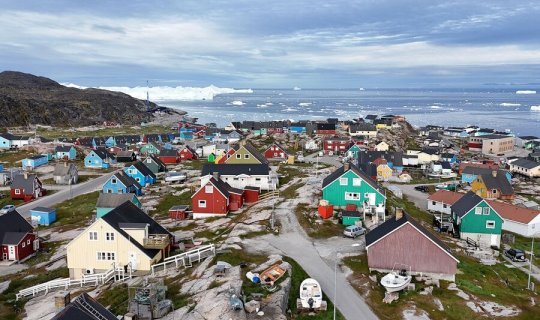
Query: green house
x=211 y=158
x=108 y=201
x=247 y=154
x=473 y=218
x=349 y=218
x=349 y=185
x=149 y=148
x=353 y=151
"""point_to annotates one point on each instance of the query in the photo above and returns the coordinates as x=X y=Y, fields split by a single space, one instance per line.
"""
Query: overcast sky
x=277 y=44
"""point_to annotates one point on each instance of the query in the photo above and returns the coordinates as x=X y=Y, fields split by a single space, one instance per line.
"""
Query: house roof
x=340 y=171
x=182 y=207
x=277 y=145
x=143 y=169
x=362 y=127
x=474 y=170
x=77 y=309
x=168 y=153
x=393 y=224
x=326 y=126
x=13 y=227
x=129 y=213
x=499 y=181
x=445 y=165
x=526 y=163
x=369 y=156
x=63 y=169
x=371 y=116
x=513 y=213
x=113 y=200
x=125 y=154
x=126 y=180
x=157 y=160
x=254 y=152
x=495 y=136
x=445 y=196
x=236 y=169
x=337 y=138
x=62 y=148
x=103 y=154
x=466 y=203
x=20 y=182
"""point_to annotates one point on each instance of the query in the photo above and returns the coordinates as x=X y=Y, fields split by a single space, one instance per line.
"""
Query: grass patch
x=13 y=157
x=307 y=219
x=288 y=172
x=393 y=202
x=6 y=199
x=168 y=200
x=115 y=298
x=76 y=212
x=291 y=191
x=194 y=164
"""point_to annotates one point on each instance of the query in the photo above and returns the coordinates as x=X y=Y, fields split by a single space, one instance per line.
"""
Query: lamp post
x=530 y=262
x=335 y=277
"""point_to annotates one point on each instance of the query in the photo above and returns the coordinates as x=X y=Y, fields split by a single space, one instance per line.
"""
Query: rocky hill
x=26 y=99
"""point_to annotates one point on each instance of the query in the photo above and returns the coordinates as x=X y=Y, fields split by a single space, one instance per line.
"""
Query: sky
x=275 y=44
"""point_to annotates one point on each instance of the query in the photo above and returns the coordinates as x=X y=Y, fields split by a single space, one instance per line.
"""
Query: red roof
x=513 y=213
x=464 y=165
x=444 y=196
x=380 y=161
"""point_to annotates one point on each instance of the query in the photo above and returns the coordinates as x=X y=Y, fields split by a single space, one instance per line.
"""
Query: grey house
x=66 y=173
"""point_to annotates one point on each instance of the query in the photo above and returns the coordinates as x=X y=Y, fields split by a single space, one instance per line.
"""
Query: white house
x=442 y=200
x=520 y=220
x=525 y=167
x=423 y=157
x=241 y=175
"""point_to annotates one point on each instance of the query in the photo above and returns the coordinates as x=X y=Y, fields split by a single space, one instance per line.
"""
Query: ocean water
x=498 y=109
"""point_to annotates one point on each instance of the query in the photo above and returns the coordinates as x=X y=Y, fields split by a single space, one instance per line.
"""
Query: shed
x=251 y=194
x=43 y=216
x=349 y=218
x=178 y=212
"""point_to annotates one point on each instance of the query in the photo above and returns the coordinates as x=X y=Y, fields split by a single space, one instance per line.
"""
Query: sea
x=500 y=109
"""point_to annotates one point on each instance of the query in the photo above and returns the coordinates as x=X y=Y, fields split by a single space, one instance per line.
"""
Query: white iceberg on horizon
x=526 y=92
x=535 y=108
x=507 y=104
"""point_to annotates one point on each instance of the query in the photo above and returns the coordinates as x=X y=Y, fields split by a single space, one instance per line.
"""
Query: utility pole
x=530 y=263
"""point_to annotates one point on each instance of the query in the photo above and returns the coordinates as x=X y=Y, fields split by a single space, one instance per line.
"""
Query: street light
x=335 y=277
x=530 y=262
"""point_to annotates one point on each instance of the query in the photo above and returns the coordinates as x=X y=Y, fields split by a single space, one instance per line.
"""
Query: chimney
x=494 y=173
x=399 y=213
x=346 y=166
x=215 y=175
x=62 y=299
x=65 y=164
x=25 y=175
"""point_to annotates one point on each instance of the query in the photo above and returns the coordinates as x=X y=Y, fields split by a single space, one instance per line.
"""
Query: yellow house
x=247 y=154
x=382 y=146
x=493 y=186
x=384 y=172
x=126 y=237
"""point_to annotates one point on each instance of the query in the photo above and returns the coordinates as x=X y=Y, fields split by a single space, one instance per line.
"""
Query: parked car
x=515 y=255
x=422 y=188
x=353 y=231
x=7 y=209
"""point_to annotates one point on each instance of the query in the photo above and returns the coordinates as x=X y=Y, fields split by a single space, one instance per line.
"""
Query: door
x=11 y=253
x=371 y=197
x=132 y=260
x=494 y=238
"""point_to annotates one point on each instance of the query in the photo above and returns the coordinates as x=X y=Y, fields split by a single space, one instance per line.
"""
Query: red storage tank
x=350 y=207
x=326 y=212
x=251 y=194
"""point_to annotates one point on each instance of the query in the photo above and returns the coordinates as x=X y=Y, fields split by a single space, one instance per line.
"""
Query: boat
x=174 y=176
x=396 y=281
x=310 y=294
x=272 y=274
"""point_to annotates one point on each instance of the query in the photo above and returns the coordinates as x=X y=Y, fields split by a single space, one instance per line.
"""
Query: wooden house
x=493 y=186
x=26 y=187
x=65 y=153
x=241 y=176
x=216 y=198
x=247 y=154
x=520 y=220
x=140 y=173
x=126 y=156
x=336 y=145
x=122 y=183
x=66 y=173
x=442 y=201
x=99 y=159
x=275 y=151
x=155 y=164
x=187 y=153
x=169 y=156
x=17 y=238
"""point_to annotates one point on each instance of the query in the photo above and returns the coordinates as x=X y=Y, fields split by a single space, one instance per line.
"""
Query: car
x=6 y=209
x=353 y=231
x=515 y=255
x=422 y=188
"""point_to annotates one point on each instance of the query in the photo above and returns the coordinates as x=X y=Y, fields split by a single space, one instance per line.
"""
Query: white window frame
x=352 y=196
x=23 y=244
x=356 y=182
x=238 y=156
x=246 y=156
x=202 y=203
x=208 y=189
x=92 y=235
x=485 y=211
x=478 y=210
x=17 y=191
x=343 y=181
x=109 y=236
x=490 y=222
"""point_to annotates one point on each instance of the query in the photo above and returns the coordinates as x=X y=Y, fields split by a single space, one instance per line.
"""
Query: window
x=109 y=236
x=23 y=244
x=113 y=181
x=246 y=156
x=494 y=191
x=490 y=224
x=477 y=210
x=356 y=182
x=17 y=191
x=131 y=171
x=101 y=256
x=445 y=206
x=352 y=196
x=433 y=202
x=138 y=179
x=343 y=181
x=92 y=235
x=238 y=156
x=28 y=241
x=485 y=211
x=209 y=189
x=202 y=203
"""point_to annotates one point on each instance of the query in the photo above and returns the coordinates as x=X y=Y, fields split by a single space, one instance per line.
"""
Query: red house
x=403 y=243
x=169 y=156
x=187 y=154
x=326 y=129
x=275 y=151
x=216 y=198
x=17 y=238
x=26 y=187
x=336 y=145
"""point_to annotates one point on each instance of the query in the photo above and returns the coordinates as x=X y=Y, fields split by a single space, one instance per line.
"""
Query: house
x=471 y=173
x=66 y=173
x=10 y=141
x=169 y=156
x=325 y=129
x=26 y=187
x=65 y=153
x=80 y=308
x=382 y=146
x=493 y=186
x=522 y=141
x=394 y=159
x=362 y=130
x=383 y=123
x=349 y=218
x=108 y=201
x=311 y=145
x=449 y=157
x=336 y=145
x=520 y=220
x=187 y=153
x=126 y=156
x=241 y=176
x=526 y=168
x=370 y=118
x=350 y=185
x=473 y=218
x=17 y=238
x=491 y=144
x=247 y=154
x=179 y=212
x=100 y=159
x=384 y=172
x=215 y=198
x=155 y=164
x=424 y=156
x=34 y=161
x=122 y=183
x=534 y=156
x=441 y=167
x=442 y=201
x=5 y=141
x=353 y=151
x=140 y=173
x=275 y=151
x=149 y=148
x=126 y=237
x=43 y=216
x=403 y=241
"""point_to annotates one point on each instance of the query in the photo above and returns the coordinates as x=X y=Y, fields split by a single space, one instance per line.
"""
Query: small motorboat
x=272 y=274
x=396 y=281
x=174 y=176
x=310 y=294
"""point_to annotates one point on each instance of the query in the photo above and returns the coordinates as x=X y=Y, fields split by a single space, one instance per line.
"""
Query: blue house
x=470 y=174
x=297 y=129
x=186 y=133
x=449 y=157
x=65 y=153
x=140 y=173
x=43 y=216
x=122 y=183
x=5 y=141
x=35 y=161
x=110 y=142
x=100 y=159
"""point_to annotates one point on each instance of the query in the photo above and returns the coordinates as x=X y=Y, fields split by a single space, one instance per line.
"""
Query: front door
x=132 y=259
x=494 y=240
x=11 y=252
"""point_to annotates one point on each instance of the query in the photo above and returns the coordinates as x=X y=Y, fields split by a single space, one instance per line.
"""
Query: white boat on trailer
x=311 y=295
x=396 y=280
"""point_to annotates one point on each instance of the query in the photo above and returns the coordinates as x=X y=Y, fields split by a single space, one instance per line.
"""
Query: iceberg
x=507 y=104
x=304 y=104
x=297 y=88
x=526 y=92
x=162 y=93
x=238 y=103
x=535 y=108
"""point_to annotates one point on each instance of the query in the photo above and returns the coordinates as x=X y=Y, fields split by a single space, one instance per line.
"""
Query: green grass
x=76 y=212
x=315 y=230
x=115 y=298
x=13 y=158
x=195 y=164
x=287 y=172
x=393 y=202
x=168 y=200
x=291 y=191
x=6 y=199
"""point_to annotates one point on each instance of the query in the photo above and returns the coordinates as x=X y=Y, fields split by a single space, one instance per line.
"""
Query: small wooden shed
x=178 y=212
x=43 y=216
x=349 y=218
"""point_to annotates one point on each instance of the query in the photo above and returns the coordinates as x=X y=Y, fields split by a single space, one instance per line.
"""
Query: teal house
x=5 y=141
x=353 y=151
x=108 y=201
x=35 y=161
x=474 y=219
x=349 y=185
x=149 y=148
x=350 y=218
